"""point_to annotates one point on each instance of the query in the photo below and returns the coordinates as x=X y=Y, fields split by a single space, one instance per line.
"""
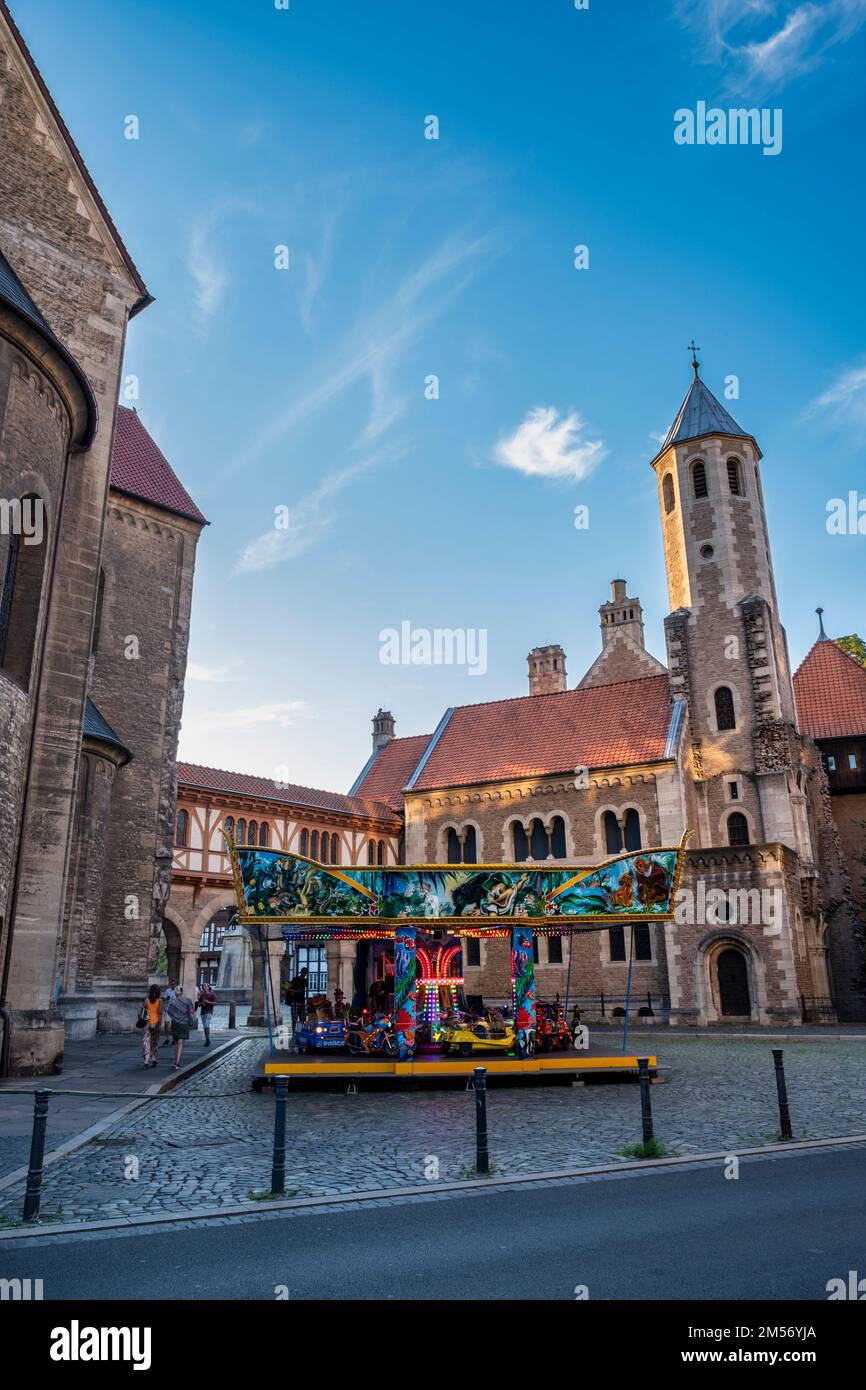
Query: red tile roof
x=140 y=469
x=388 y=775
x=599 y=726
x=192 y=776
x=830 y=689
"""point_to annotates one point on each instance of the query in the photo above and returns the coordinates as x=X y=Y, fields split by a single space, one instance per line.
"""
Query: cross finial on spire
x=822 y=636
x=694 y=350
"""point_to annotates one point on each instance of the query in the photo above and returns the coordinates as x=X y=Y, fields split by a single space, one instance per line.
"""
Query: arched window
x=371 y=852
x=521 y=844
x=632 y=829
x=725 y=714
x=253 y=833
x=470 y=853
x=612 y=833
x=668 y=493
x=538 y=846
x=452 y=854
x=242 y=832
x=738 y=829
x=21 y=594
x=735 y=477
x=557 y=838
x=323 y=847
x=335 y=849
x=182 y=829
x=380 y=852
x=699 y=479
x=305 y=843
x=264 y=833
x=314 y=845
x=229 y=825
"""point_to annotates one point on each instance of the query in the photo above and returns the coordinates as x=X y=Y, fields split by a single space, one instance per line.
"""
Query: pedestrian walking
x=296 y=995
x=206 y=1002
x=181 y=1011
x=152 y=1012
x=168 y=995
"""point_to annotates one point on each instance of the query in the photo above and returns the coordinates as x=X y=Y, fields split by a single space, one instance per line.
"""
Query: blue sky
x=305 y=388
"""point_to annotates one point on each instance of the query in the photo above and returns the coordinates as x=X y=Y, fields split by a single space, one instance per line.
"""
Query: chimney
x=621 y=614
x=383 y=729
x=547 y=674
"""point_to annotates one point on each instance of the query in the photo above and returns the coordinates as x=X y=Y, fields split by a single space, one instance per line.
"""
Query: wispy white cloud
x=764 y=44
x=210 y=675
x=246 y=720
x=547 y=446
x=843 y=403
x=205 y=259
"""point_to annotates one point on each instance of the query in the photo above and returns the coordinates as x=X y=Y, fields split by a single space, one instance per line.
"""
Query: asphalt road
x=781 y=1230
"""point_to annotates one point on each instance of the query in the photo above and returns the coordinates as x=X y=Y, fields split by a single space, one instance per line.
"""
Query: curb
x=473 y=1185
x=158 y=1088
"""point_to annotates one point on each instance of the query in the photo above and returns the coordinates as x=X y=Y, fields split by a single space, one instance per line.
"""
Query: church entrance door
x=734 y=997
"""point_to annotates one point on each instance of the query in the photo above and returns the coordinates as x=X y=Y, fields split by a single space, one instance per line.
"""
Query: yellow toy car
x=468 y=1038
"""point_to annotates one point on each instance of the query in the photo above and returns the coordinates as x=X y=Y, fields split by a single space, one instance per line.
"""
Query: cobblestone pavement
x=208 y=1143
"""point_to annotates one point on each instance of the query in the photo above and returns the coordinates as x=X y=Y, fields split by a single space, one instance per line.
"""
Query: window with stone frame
x=305 y=843
x=554 y=950
x=612 y=833
x=521 y=843
x=335 y=849
x=699 y=479
x=264 y=834
x=473 y=951
x=738 y=829
x=181 y=829
x=643 y=950
x=21 y=597
x=735 y=477
x=726 y=716
x=668 y=494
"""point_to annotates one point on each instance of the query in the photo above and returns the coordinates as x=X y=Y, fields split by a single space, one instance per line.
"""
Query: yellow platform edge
x=495 y=1066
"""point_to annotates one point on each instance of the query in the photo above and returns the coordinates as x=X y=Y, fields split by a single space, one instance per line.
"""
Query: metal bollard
x=232 y=1015
x=646 y=1105
x=782 y=1089
x=278 y=1171
x=482 y=1155
x=33 y=1194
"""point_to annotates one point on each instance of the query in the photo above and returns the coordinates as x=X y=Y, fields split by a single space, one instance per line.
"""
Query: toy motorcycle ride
x=551 y=1029
x=372 y=1038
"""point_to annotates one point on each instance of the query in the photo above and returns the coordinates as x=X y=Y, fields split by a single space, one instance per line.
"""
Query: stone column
x=258 y=1016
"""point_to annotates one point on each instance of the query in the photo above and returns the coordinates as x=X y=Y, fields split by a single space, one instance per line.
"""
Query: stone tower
x=383 y=729
x=621 y=614
x=727 y=651
x=547 y=675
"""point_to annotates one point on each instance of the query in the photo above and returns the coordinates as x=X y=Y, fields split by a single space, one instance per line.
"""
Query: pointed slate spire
x=700 y=413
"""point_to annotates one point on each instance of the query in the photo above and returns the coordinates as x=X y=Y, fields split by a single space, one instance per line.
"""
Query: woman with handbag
x=149 y=1021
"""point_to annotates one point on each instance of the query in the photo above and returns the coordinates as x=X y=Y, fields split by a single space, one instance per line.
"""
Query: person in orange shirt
x=150 y=1033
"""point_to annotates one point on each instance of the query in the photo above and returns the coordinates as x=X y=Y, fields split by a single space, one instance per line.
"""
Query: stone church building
x=638 y=753
x=97 y=552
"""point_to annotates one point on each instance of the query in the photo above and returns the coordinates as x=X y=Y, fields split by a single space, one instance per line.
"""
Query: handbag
x=141 y=1021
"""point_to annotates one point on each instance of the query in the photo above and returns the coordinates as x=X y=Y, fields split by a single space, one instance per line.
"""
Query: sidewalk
x=108 y=1062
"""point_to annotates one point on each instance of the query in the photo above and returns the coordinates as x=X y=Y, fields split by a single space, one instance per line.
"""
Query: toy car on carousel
x=468 y=1036
x=321 y=1035
x=551 y=1028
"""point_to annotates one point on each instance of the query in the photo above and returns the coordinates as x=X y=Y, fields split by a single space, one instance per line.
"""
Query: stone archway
x=171 y=944
x=730 y=979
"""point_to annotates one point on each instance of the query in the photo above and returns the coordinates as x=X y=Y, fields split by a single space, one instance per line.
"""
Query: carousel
x=423 y=912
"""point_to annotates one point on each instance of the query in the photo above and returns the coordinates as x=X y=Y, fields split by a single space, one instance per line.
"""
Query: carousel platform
x=593 y=1063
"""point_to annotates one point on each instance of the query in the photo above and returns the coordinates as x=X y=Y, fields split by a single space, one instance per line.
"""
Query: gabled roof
x=830 y=690
x=97 y=727
x=701 y=414
x=535 y=735
x=140 y=469
x=145 y=296
x=194 y=776
x=387 y=772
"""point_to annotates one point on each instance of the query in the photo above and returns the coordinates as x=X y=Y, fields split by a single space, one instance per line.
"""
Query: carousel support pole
x=405 y=987
x=523 y=987
x=628 y=992
x=263 y=952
